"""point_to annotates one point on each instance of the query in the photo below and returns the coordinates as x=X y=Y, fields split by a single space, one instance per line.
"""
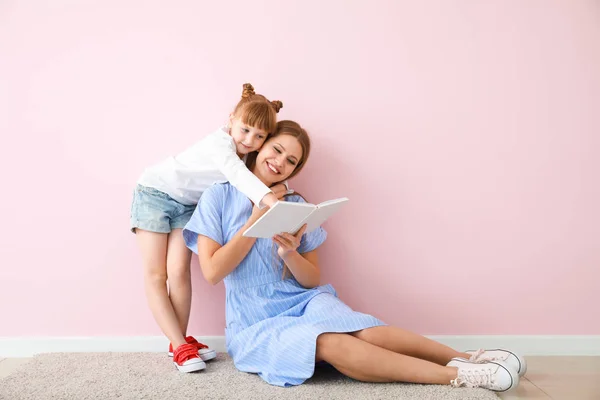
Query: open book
x=287 y=216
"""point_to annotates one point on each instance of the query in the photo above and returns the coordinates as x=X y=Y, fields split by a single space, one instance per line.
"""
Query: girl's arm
x=304 y=267
x=218 y=261
x=224 y=156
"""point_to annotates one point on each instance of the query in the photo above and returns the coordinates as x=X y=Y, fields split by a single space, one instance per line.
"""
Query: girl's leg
x=154 y=255
x=179 y=278
x=409 y=343
x=364 y=361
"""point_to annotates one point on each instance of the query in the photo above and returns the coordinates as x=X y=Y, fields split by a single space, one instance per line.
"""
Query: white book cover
x=287 y=216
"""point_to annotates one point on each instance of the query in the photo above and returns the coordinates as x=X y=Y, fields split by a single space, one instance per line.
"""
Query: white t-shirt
x=211 y=160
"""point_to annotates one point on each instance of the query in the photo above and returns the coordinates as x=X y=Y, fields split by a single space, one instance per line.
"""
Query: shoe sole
x=522 y=368
x=209 y=355
x=205 y=357
x=191 y=367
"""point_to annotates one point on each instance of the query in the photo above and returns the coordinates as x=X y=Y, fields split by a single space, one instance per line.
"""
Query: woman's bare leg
x=408 y=343
x=364 y=361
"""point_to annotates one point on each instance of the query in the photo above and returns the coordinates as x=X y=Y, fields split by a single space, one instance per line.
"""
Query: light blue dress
x=272 y=324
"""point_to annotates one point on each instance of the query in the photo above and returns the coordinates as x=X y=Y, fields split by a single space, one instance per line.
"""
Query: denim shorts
x=155 y=211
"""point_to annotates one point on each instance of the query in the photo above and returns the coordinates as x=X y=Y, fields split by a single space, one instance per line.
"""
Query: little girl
x=164 y=200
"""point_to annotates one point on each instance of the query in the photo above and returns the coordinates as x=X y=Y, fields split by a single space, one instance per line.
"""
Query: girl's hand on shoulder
x=279 y=190
x=276 y=194
x=287 y=242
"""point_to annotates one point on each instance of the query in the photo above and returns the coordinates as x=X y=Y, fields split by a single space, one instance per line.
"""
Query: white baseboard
x=529 y=345
x=29 y=346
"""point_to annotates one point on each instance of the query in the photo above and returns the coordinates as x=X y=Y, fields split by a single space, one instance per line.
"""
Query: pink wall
x=466 y=135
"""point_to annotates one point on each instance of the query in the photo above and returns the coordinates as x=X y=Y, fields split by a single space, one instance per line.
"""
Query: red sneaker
x=204 y=352
x=186 y=358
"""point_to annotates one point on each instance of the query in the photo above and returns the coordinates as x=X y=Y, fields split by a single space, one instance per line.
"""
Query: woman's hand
x=287 y=242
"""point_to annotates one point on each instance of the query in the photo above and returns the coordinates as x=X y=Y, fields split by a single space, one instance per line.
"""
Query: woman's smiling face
x=278 y=158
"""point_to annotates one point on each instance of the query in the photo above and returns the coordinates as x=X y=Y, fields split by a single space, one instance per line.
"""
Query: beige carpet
x=150 y=376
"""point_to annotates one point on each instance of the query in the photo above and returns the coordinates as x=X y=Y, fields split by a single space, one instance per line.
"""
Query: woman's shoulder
x=227 y=190
x=224 y=191
x=295 y=198
x=218 y=190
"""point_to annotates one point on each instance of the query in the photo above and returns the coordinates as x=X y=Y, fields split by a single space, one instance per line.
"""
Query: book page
x=284 y=216
x=323 y=212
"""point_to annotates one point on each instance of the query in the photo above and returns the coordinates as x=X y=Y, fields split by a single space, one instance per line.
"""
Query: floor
x=558 y=378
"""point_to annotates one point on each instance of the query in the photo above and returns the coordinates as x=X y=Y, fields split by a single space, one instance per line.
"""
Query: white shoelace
x=479 y=357
x=474 y=378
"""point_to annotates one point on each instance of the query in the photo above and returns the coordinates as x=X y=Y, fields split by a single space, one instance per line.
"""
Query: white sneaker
x=493 y=375
x=511 y=358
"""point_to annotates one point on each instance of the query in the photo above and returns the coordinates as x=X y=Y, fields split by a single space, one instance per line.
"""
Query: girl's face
x=247 y=139
x=278 y=158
